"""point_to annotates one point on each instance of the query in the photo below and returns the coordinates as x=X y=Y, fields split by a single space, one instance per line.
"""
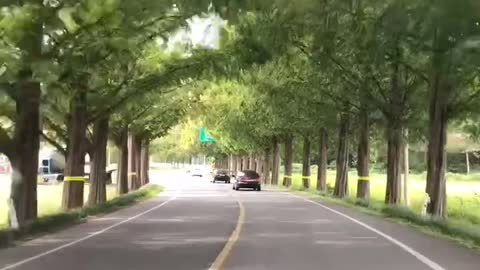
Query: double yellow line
x=227 y=249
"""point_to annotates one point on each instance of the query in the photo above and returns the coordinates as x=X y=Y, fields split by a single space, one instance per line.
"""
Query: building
x=5 y=167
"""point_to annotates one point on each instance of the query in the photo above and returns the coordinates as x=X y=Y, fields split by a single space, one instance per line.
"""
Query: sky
x=202 y=32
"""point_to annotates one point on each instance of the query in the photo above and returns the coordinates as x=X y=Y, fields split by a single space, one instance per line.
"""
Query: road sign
x=204 y=137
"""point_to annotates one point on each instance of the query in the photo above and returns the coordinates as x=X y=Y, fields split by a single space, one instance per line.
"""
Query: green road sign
x=204 y=137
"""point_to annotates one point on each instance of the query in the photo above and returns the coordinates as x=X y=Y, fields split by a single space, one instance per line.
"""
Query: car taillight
x=243 y=179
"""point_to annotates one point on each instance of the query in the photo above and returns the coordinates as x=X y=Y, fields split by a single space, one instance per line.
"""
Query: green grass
x=49 y=199
x=52 y=222
x=463 y=192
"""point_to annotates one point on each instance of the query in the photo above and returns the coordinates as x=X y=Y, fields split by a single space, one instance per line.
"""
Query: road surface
x=196 y=224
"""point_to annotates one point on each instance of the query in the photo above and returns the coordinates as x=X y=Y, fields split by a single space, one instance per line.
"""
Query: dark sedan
x=248 y=179
x=221 y=176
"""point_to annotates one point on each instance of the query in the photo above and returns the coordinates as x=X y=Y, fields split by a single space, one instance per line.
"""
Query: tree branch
x=379 y=85
x=9 y=88
x=416 y=71
x=144 y=85
x=466 y=104
x=340 y=100
x=62 y=133
x=54 y=143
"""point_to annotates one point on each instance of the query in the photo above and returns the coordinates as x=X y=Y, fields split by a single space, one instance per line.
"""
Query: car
x=248 y=179
x=197 y=172
x=222 y=176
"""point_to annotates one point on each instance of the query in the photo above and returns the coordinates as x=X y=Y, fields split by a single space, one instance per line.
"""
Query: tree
x=22 y=37
x=452 y=48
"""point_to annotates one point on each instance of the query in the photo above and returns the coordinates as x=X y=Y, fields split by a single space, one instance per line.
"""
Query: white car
x=198 y=172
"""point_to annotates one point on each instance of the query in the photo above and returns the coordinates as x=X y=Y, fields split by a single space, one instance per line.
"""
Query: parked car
x=247 y=179
x=51 y=166
x=222 y=176
x=198 y=172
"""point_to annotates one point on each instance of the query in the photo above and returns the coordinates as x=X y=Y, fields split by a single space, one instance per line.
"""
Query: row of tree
x=78 y=73
x=68 y=69
x=351 y=72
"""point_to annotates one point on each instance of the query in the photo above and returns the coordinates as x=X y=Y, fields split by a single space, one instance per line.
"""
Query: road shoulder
x=29 y=248
x=447 y=253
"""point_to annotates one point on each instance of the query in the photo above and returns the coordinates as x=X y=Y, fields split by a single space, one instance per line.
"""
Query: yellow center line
x=222 y=257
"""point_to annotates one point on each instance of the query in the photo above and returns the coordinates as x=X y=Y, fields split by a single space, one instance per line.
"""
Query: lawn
x=463 y=192
x=49 y=198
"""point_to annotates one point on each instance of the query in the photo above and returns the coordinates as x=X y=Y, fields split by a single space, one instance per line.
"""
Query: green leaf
x=66 y=16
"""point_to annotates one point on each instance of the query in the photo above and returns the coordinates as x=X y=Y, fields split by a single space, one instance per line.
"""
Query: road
x=196 y=224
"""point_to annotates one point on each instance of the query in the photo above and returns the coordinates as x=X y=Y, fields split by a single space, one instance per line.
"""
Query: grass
x=51 y=222
x=49 y=198
x=463 y=192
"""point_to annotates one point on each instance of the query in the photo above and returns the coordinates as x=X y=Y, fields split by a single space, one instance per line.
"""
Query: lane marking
x=222 y=257
x=433 y=265
x=38 y=256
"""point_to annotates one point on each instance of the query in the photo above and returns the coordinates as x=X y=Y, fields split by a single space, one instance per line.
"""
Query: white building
x=5 y=167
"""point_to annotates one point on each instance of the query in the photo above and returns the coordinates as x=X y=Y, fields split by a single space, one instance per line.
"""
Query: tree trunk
x=24 y=159
x=436 y=162
x=406 y=170
x=394 y=154
x=306 y=163
x=234 y=164
x=138 y=160
x=122 y=176
x=322 y=161
x=230 y=163
x=98 y=174
x=363 y=184
x=239 y=164
x=467 y=160
x=341 y=180
x=251 y=162
x=148 y=164
x=24 y=147
x=259 y=168
x=266 y=167
x=132 y=162
x=275 y=161
x=244 y=163
x=75 y=162
x=288 y=164
x=394 y=133
x=144 y=166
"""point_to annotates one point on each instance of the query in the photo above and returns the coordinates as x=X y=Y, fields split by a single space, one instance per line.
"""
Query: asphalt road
x=196 y=224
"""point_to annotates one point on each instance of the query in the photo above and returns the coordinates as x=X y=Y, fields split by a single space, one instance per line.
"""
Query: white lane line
x=433 y=265
x=38 y=256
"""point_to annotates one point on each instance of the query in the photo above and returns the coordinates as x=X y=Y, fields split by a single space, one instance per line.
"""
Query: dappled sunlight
x=46 y=240
x=179 y=241
x=352 y=243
